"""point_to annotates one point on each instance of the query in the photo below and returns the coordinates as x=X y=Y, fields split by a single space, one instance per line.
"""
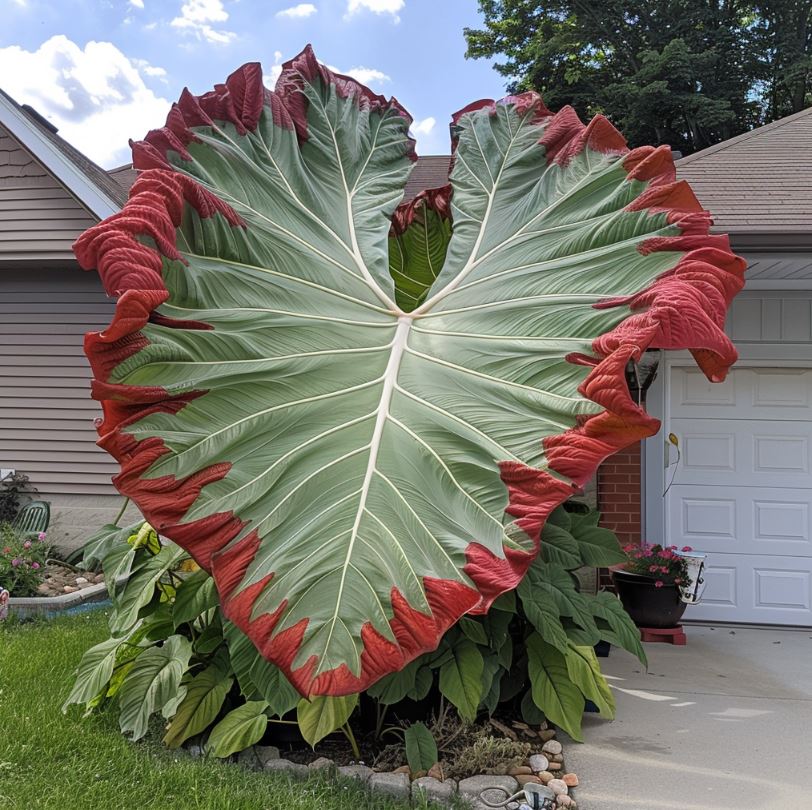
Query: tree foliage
x=688 y=73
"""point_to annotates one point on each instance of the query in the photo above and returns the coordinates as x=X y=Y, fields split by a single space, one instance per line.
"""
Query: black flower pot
x=648 y=605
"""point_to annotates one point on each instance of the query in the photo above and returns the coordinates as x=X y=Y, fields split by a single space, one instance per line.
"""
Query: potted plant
x=649 y=582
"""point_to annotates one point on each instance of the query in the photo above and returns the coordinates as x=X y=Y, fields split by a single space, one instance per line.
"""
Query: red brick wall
x=619 y=494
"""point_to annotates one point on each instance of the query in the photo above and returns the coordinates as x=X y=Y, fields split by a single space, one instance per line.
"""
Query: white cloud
x=137 y=3
x=96 y=95
x=423 y=127
x=361 y=74
x=150 y=70
x=295 y=12
x=21 y=3
x=196 y=17
x=365 y=75
x=376 y=6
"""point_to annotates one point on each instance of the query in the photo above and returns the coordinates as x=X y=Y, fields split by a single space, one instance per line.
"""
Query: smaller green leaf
x=461 y=678
x=421 y=749
x=140 y=589
x=491 y=676
x=474 y=631
x=513 y=681
x=152 y=682
x=559 y=517
x=104 y=541
x=423 y=680
x=196 y=594
x=577 y=635
x=322 y=715
x=274 y=687
x=394 y=687
x=559 y=546
x=585 y=673
x=506 y=602
x=238 y=730
x=617 y=627
x=552 y=688
x=505 y=653
x=497 y=627
x=598 y=547
x=205 y=695
x=531 y=714
x=95 y=669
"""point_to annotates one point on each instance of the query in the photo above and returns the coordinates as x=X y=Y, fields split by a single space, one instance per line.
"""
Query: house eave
x=85 y=190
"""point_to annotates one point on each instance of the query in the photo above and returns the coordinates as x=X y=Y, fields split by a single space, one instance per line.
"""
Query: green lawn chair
x=33 y=518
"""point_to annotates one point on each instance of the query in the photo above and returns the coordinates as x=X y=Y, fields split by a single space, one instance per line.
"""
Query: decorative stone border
x=27 y=607
x=398 y=785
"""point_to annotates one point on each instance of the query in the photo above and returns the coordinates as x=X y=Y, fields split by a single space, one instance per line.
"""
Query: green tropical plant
x=177 y=656
x=359 y=444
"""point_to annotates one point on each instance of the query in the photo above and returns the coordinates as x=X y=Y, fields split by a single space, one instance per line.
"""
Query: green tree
x=682 y=72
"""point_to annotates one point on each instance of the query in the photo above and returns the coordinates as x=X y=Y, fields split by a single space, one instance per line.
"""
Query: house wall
x=39 y=219
x=46 y=414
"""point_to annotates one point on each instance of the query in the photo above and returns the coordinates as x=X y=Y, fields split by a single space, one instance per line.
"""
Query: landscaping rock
x=563 y=800
x=524 y=778
x=436 y=771
x=81 y=581
x=558 y=786
x=359 y=772
x=552 y=747
x=433 y=789
x=547 y=734
x=392 y=784
x=322 y=764
x=570 y=779
x=545 y=777
x=286 y=766
x=69 y=589
x=266 y=753
x=471 y=788
x=195 y=750
x=249 y=759
x=538 y=763
x=403 y=769
x=516 y=770
x=554 y=766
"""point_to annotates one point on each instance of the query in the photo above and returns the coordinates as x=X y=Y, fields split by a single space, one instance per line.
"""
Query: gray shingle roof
x=759 y=182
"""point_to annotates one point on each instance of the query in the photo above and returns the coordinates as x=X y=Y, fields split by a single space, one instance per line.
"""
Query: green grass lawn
x=64 y=762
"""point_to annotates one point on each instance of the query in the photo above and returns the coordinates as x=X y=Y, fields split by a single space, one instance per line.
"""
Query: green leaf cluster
x=171 y=652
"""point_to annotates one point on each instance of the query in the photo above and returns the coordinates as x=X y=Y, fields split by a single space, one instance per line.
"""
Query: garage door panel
x=747 y=452
x=735 y=520
x=747 y=393
x=742 y=491
x=757 y=588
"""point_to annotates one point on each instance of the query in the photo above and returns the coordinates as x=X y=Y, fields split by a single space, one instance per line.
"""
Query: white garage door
x=743 y=491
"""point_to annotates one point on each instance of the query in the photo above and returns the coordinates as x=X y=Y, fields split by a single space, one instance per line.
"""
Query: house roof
x=89 y=183
x=759 y=182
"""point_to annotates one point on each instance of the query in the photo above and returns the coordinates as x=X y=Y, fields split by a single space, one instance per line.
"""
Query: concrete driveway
x=724 y=723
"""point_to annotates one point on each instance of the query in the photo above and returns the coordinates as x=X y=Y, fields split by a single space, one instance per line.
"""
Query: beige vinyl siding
x=39 y=219
x=46 y=413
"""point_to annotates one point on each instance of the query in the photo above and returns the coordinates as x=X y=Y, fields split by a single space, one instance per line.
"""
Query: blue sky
x=106 y=70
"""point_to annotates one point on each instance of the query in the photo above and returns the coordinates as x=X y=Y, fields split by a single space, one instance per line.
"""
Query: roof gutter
x=97 y=201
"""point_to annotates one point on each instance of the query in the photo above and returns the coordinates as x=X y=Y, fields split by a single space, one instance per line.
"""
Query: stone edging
x=27 y=606
x=398 y=785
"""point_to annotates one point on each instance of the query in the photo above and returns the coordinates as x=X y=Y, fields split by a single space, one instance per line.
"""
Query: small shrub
x=14 y=492
x=22 y=561
x=488 y=754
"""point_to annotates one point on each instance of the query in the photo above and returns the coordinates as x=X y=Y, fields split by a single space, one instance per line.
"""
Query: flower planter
x=648 y=605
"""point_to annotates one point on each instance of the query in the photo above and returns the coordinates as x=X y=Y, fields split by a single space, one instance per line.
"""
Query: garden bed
x=62 y=588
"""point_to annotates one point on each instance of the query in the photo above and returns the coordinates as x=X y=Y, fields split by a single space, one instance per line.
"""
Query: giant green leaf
x=359 y=452
x=323 y=715
x=585 y=673
x=239 y=729
x=461 y=678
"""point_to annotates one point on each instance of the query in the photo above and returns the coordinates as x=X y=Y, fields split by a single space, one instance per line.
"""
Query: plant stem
x=122 y=511
x=356 y=751
x=380 y=711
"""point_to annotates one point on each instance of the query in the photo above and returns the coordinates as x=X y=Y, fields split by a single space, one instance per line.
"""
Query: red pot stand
x=667 y=635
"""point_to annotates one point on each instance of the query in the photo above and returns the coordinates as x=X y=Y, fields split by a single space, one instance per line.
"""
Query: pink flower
x=677 y=581
x=658 y=583
x=15 y=562
x=664 y=569
x=41 y=537
x=27 y=544
x=652 y=569
x=687 y=548
x=35 y=565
